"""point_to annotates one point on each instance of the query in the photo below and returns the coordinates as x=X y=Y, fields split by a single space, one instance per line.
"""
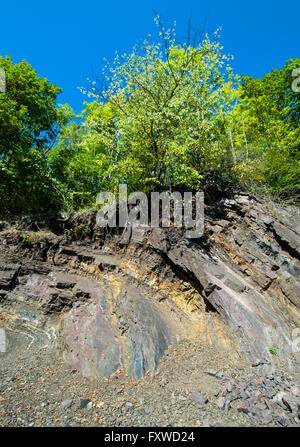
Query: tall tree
x=267 y=131
x=30 y=122
x=159 y=115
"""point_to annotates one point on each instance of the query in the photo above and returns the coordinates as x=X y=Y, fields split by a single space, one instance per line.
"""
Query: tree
x=267 y=134
x=77 y=163
x=158 y=121
x=30 y=122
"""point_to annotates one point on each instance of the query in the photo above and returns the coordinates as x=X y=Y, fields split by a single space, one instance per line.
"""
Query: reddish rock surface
x=110 y=299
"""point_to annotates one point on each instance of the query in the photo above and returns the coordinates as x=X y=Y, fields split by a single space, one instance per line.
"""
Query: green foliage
x=168 y=100
x=266 y=131
x=272 y=351
x=158 y=123
x=78 y=232
x=168 y=115
x=29 y=125
x=77 y=164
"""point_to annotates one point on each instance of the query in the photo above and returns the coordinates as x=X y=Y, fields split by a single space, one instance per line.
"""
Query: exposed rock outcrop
x=110 y=299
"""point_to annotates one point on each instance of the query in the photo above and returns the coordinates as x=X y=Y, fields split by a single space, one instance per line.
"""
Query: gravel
x=38 y=389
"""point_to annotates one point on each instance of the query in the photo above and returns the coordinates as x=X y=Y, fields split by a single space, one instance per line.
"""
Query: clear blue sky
x=66 y=41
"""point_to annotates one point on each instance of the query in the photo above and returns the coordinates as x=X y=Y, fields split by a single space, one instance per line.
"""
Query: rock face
x=110 y=300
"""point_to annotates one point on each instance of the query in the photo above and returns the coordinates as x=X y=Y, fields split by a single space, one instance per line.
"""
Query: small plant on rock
x=272 y=351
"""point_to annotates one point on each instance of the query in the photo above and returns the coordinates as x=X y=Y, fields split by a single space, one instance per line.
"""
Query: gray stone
x=218 y=424
x=242 y=407
x=83 y=403
x=258 y=362
x=66 y=404
x=291 y=402
x=221 y=403
x=261 y=406
x=229 y=387
x=283 y=420
x=199 y=398
x=210 y=372
x=295 y=391
x=287 y=237
x=10 y=379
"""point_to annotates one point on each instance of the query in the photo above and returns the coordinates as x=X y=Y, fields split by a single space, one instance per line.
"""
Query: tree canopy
x=166 y=115
x=267 y=132
x=30 y=122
